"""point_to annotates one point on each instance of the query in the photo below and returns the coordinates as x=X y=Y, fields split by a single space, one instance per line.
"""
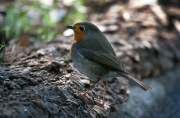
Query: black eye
x=82 y=28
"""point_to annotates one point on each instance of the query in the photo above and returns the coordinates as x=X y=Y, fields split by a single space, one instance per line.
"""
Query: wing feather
x=107 y=60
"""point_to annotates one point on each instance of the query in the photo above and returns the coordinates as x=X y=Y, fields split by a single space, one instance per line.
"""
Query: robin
x=93 y=56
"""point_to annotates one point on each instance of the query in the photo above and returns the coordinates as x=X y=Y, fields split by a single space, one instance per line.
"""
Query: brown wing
x=107 y=60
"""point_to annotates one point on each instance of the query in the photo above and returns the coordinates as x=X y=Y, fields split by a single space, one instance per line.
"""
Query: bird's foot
x=76 y=90
x=99 y=102
x=84 y=96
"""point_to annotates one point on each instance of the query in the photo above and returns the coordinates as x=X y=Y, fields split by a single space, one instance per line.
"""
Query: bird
x=93 y=56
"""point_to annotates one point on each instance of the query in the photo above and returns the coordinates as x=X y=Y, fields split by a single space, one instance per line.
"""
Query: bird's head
x=83 y=30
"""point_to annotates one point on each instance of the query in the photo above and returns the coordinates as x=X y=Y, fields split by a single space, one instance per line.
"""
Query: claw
x=85 y=97
x=101 y=102
x=85 y=93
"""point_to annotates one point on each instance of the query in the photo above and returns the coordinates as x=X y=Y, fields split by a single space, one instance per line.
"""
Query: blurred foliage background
x=41 y=18
x=44 y=20
x=32 y=21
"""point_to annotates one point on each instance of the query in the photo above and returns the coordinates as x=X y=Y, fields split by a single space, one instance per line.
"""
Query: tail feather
x=132 y=79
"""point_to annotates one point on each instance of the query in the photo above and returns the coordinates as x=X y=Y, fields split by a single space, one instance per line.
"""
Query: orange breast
x=72 y=43
x=78 y=35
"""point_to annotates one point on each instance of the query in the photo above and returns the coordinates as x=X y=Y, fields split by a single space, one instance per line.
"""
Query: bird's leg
x=104 y=93
x=86 y=92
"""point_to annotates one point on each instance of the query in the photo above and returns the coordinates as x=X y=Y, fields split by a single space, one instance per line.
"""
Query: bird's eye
x=82 y=28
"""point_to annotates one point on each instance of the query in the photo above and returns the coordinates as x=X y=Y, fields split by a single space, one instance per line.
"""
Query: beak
x=70 y=27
